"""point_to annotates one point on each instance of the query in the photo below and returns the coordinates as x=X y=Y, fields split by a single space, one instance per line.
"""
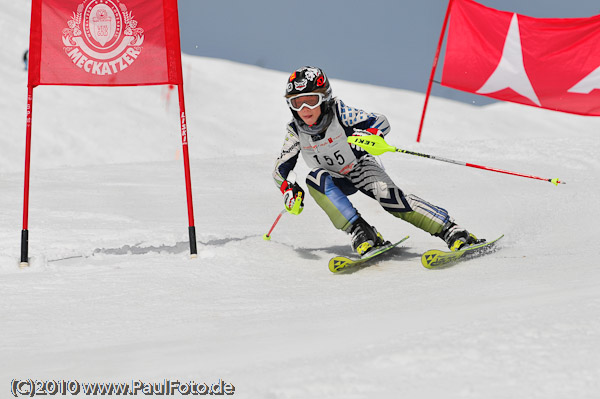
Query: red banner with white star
x=104 y=43
x=546 y=63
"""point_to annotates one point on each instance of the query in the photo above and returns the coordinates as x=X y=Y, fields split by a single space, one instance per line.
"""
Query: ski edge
x=447 y=258
x=348 y=263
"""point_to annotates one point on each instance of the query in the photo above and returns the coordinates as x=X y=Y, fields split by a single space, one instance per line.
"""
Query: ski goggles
x=311 y=101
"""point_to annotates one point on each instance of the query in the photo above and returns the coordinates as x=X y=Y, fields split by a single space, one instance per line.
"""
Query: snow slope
x=112 y=296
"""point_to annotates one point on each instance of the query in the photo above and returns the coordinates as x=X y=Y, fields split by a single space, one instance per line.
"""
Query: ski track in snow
x=112 y=295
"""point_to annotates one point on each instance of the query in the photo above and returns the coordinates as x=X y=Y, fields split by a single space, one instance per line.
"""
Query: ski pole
x=267 y=236
x=296 y=210
x=376 y=145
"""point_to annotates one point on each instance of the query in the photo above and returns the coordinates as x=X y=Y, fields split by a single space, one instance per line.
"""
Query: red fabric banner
x=104 y=43
x=547 y=63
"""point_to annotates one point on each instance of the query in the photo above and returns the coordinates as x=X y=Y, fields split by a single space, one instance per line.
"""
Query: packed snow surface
x=111 y=294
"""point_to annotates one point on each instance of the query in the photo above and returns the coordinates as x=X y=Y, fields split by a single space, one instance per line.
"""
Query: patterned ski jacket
x=328 y=150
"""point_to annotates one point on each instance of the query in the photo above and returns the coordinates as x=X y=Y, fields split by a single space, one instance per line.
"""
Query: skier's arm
x=287 y=159
x=362 y=121
x=283 y=166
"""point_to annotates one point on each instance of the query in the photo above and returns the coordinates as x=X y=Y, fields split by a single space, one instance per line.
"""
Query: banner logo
x=102 y=38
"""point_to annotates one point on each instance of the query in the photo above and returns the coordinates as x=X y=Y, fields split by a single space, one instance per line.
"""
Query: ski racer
x=319 y=130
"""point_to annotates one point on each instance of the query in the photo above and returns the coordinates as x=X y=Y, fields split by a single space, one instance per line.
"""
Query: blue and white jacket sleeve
x=288 y=157
x=358 y=119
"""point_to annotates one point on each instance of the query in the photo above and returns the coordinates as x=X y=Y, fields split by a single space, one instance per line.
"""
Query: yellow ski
x=341 y=264
x=436 y=259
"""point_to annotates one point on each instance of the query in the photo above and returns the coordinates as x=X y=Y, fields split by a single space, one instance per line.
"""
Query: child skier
x=319 y=131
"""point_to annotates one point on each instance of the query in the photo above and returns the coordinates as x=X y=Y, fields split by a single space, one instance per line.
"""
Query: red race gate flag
x=104 y=43
x=547 y=63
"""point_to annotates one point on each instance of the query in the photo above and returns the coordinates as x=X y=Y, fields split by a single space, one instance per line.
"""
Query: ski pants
x=331 y=194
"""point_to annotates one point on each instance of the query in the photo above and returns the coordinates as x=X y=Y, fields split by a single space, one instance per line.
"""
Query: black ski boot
x=364 y=237
x=457 y=237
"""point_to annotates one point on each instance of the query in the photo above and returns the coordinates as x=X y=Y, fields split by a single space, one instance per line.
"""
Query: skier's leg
x=421 y=214
x=331 y=194
x=437 y=222
x=332 y=199
x=371 y=179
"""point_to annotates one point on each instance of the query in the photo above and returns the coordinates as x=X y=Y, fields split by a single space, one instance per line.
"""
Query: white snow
x=112 y=296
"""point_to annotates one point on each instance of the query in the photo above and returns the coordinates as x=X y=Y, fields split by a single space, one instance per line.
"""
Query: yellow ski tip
x=557 y=181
